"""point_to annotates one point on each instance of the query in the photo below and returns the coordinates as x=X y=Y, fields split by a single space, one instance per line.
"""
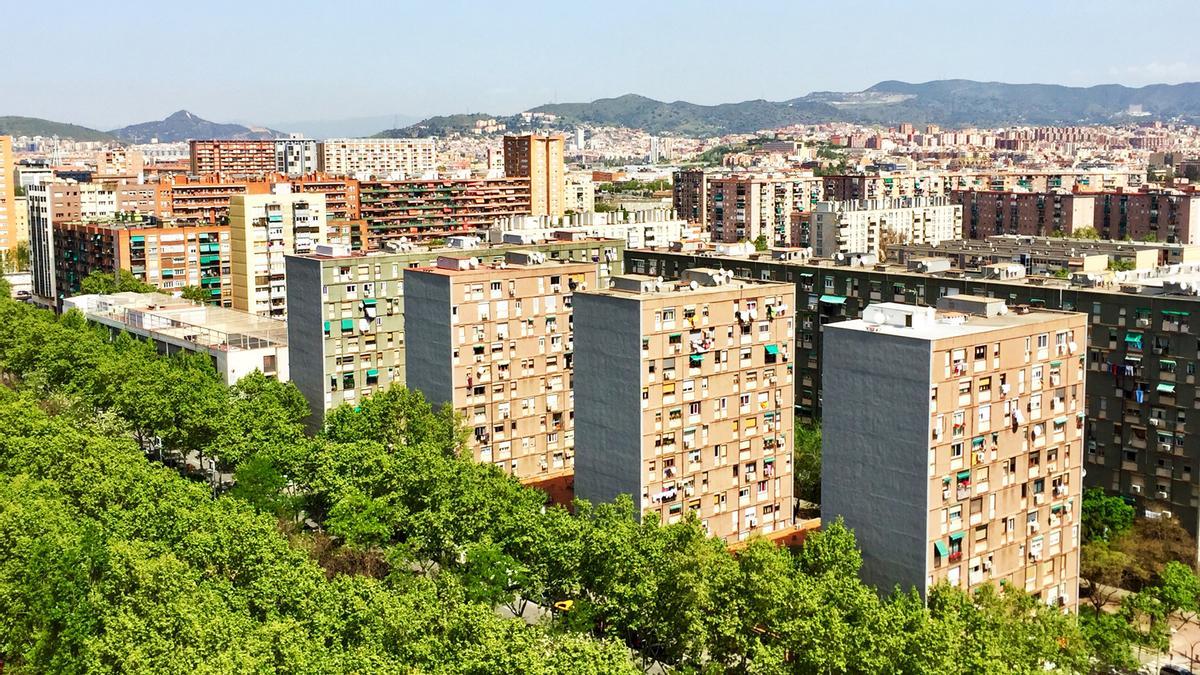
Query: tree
x=806 y=465
x=1104 y=517
x=1105 y=569
x=1085 y=233
x=119 y=282
x=196 y=294
x=760 y=242
x=1154 y=543
x=1178 y=590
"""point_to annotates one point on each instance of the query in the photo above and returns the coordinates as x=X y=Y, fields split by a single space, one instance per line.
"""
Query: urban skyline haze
x=421 y=59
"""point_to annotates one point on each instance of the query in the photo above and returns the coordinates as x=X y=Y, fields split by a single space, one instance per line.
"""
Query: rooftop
x=696 y=280
x=205 y=326
x=955 y=316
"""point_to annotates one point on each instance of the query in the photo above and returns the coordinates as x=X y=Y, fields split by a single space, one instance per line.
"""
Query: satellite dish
x=693 y=285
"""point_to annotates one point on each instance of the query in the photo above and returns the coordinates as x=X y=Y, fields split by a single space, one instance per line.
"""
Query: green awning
x=675 y=336
x=696 y=358
x=1133 y=338
x=772 y=349
x=1055 y=364
x=1171 y=312
x=957 y=536
x=1056 y=508
x=833 y=299
x=347 y=324
x=326 y=326
x=1060 y=420
x=369 y=302
x=1166 y=388
x=1166 y=362
x=977 y=442
x=373 y=372
x=963 y=475
x=940 y=547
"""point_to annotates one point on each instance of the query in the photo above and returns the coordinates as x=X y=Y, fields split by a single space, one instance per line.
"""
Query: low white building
x=238 y=342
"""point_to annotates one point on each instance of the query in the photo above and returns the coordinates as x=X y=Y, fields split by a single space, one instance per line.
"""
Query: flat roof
x=948 y=324
x=206 y=326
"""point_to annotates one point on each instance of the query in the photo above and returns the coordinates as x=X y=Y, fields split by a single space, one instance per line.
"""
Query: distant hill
x=33 y=126
x=950 y=103
x=184 y=126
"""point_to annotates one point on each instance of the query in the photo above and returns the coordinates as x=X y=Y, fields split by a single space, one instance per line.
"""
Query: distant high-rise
x=379 y=158
x=297 y=156
x=655 y=153
x=540 y=159
x=233 y=158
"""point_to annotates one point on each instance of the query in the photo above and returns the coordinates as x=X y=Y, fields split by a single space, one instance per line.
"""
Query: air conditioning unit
x=1164 y=447
x=1136 y=489
x=1154 y=421
x=1162 y=495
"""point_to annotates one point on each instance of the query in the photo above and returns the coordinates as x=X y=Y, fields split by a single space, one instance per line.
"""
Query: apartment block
x=1161 y=215
x=437 y=208
x=206 y=199
x=579 y=195
x=50 y=201
x=540 y=160
x=297 y=156
x=8 y=206
x=1040 y=214
x=167 y=255
x=351 y=283
x=952 y=444
x=1142 y=406
x=495 y=342
x=871 y=226
x=379 y=158
x=232 y=158
x=745 y=207
x=263 y=229
x=683 y=394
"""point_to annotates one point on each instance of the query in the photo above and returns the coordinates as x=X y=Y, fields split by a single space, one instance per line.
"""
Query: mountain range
x=35 y=126
x=183 y=126
x=950 y=103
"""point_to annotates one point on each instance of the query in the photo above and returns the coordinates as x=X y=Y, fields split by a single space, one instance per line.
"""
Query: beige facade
x=984 y=485
x=540 y=159
x=8 y=206
x=378 y=158
x=580 y=193
x=872 y=226
x=704 y=364
x=495 y=342
x=263 y=229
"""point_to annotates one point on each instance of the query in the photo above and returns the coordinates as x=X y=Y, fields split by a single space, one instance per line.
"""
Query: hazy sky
x=108 y=64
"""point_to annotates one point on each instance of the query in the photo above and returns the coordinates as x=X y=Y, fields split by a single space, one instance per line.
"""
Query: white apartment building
x=297 y=156
x=867 y=226
x=652 y=228
x=379 y=158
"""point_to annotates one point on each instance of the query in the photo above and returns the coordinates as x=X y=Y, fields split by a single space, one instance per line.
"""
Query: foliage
x=196 y=294
x=120 y=282
x=1104 y=517
x=638 y=187
x=806 y=466
x=108 y=562
x=1085 y=233
x=760 y=242
x=1120 y=265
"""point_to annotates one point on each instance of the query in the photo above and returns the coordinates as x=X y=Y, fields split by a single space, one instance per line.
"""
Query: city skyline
x=583 y=54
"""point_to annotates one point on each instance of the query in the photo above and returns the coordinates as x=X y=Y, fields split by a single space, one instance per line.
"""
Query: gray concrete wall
x=608 y=413
x=427 y=336
x=875 y=450
x=306 y=335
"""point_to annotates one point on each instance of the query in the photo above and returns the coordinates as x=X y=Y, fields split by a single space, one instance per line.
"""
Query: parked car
x=1172 y=669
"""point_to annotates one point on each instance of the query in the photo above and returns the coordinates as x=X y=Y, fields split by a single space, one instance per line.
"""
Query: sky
x=110 y=64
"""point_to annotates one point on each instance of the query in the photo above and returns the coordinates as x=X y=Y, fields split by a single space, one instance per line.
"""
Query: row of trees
x=108 y=562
